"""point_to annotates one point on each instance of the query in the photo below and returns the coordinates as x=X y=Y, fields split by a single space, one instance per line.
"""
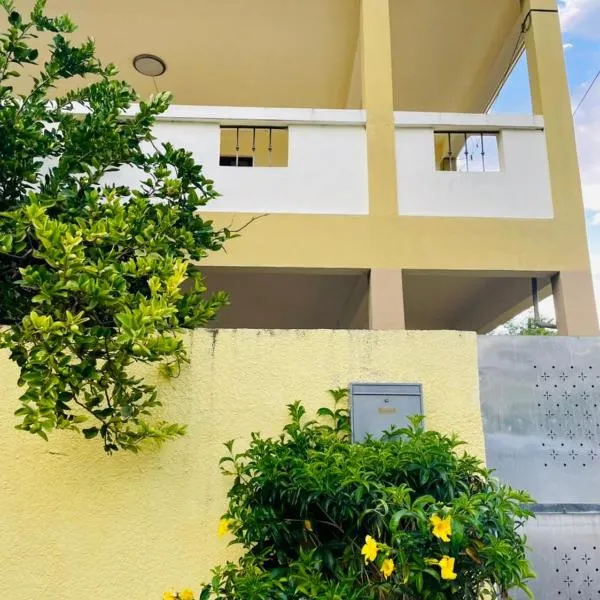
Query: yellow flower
x=442 y=528
x=186 y=594
x=169 y=596
x=387 y=567
x=308 y=525
x=224 y=527
x=446 y=565
x=369 y=550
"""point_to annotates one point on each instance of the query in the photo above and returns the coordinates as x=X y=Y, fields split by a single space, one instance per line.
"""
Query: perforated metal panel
x=541 y=412
x=566 y=556
x=377 y=407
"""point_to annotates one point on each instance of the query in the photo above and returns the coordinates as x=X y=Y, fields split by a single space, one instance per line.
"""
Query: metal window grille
x=251 y=146
x=467 y=151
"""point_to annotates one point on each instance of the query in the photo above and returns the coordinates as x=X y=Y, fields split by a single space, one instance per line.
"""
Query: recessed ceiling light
x=149 y=65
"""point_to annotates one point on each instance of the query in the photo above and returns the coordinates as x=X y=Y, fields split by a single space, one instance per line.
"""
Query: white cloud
x=581 y=17
x=567 y=46
x=587 y=129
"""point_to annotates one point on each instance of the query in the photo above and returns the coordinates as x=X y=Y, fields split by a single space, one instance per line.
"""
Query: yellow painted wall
x=76 y=524
x=385 y=240
x=341 y=241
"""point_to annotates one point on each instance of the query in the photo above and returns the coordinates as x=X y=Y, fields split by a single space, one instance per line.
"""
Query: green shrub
x=91 y=272
x=405 y=518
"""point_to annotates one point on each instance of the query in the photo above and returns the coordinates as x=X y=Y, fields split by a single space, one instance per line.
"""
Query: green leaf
x=92 y=275
x=90 y=432
x=305 y=502
x=325 y=412
x=14 y=18
x=398 y=515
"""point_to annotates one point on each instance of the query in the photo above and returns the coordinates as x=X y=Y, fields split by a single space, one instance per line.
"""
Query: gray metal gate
x=540 y=401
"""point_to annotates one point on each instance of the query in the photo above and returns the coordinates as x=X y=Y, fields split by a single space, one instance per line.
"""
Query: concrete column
x=386 y=299
x=575 y=304
x=551 y=99
x=573 y=289
x=378 y=101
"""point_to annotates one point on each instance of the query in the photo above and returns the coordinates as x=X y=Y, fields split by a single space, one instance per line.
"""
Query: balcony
x=304 y=162
x=474 y=218
x=465 y=165
x=298 y=161
x=314 y=161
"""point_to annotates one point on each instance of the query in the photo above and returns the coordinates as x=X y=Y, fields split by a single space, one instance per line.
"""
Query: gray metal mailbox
x=376 y=407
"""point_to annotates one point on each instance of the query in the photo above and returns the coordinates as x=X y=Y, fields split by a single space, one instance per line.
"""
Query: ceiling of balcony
x=289 y=299
x=338 y=299
x=447 y=56
x=469 y=301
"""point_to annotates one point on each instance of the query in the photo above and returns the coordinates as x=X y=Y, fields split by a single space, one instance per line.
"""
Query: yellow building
x=378 y=214
x=350 y=140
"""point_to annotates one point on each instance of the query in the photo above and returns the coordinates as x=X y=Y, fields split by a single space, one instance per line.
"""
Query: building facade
x=388 y=197
x=351 y=141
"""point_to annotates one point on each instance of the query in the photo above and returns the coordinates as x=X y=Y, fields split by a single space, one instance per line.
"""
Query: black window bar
x=465 y=137
x=248 y=161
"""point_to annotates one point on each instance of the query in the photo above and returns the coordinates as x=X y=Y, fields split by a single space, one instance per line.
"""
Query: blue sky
x=581 y=35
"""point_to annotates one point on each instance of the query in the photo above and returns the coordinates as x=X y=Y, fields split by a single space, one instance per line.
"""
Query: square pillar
x=386 y=299
x=378 y=102
x=575 y=304
x=573 y=288
x=551 y=99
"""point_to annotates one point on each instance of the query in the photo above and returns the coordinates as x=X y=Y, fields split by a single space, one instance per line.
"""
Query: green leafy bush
x=91 y=273
x=403 y=518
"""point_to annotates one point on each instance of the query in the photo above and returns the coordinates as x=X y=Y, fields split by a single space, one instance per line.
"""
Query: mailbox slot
x=376 y=407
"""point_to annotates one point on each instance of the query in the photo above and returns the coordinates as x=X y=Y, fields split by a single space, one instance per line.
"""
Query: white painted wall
x=521 y=190
x=327 y=163
x=327 y=160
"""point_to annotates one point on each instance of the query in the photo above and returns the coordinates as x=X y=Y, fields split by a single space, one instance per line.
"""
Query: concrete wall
x=320 y=163
x=519 y=190
x=77 y=524
x=326 y=158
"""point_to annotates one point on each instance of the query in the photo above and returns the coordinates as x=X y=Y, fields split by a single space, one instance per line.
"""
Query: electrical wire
x=520 y=46
x=587 y=92
x=516 y=54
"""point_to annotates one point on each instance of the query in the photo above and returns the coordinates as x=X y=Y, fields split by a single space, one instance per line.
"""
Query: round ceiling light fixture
x=149 y=65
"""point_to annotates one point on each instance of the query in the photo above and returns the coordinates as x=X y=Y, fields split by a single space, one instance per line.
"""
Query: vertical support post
x=574 y=304
x=551 y=99
x=386 y=299
x=378 y=101
x=573 y=289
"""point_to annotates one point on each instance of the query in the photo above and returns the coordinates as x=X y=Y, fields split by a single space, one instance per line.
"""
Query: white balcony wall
x=519 y=190
x=327 y=160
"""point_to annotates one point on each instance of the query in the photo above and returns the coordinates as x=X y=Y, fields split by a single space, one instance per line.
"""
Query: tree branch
x=252 y=220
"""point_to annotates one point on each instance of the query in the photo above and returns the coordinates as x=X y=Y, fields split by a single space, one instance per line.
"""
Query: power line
x=587 y=92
